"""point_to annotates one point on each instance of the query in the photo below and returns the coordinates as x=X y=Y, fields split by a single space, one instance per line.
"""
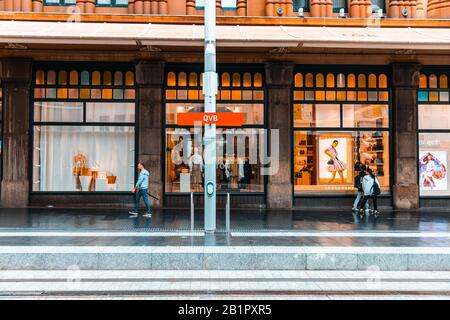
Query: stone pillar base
x=14 y=194
x=406 y=197
x=279 y=196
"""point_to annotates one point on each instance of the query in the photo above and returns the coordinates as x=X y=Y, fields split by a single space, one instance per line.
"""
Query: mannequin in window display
x=334 y=164
x=177 y=158
x=248 y=174
x=80 y=167
x=196 y=169
x=234 y=169
x=366 y=145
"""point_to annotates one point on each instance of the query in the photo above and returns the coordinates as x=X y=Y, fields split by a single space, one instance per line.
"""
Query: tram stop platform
x=262 y=244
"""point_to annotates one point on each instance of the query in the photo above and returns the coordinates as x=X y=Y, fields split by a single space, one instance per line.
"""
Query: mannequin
x=79 y=167
x=196 y=169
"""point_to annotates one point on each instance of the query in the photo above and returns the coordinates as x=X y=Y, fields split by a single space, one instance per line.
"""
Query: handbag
x=330 y=162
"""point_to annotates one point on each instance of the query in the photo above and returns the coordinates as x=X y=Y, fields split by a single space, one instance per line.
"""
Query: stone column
x=405 y=80
x=150 y=77
x=279 y=81
x=16 y=75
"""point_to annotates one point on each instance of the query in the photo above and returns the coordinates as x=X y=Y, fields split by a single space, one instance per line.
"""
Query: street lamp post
x=210 y=91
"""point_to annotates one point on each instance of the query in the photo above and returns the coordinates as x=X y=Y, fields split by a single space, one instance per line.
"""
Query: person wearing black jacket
x=358 y=185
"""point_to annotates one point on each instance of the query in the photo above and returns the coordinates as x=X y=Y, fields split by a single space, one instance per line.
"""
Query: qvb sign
x=221 y=119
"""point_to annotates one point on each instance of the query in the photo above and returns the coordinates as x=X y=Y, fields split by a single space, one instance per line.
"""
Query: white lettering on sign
x=210 y=118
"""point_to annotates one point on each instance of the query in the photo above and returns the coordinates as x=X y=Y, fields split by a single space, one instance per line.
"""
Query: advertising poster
x=325 y=171
x=433 y=170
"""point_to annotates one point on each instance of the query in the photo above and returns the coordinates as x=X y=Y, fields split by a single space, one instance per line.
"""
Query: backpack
x=375 y=188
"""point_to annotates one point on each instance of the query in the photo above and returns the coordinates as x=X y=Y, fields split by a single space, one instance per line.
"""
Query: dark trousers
x=142 y=193
x=365 y=199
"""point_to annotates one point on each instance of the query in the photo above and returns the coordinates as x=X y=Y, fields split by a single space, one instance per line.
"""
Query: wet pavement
x=241 y=220
x=114 y=227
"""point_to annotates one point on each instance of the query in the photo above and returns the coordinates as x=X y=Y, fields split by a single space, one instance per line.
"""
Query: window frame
x=336 y=70
x=80 y=67
x=61 y=3
x=113 y=4
x=428 y=71
x=295 y=6
x=221 y=68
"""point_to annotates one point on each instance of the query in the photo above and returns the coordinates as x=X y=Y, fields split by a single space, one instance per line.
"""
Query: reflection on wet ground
x=250 y=227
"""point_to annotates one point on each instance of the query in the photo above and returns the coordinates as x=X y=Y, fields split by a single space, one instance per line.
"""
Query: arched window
x=443 y=81
x=257 y=80
x=118 y=78
x=129 y=79
x=171 y=79
x=51 y=77
x=73 y=78
x=107 y=78
x=193 y=79
x=320 y=83
x=85 y=78
x=433 y=81
x=330 y=80
x=40 y=77
x=182 y=79
x=236 y=79
x=372 y=81
x=309 y=80
x=225 y=79
x=96 y=78
x=362 y=80
x=298 y=82
x=351 y=81
x=247 y=80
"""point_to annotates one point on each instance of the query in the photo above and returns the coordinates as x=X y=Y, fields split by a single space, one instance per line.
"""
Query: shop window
x=339 y=4
x=355 y=133
x=80 y=145
x=377 y=5
x=297 y=4
x=434 y=135
x=237 y=171
x=112 y=3
x=326 y=162
x=60 y=2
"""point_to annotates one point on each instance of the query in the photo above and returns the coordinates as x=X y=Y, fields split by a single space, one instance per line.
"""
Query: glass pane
x=327 y=162
x=83 y=158
x=58 y=111
x=253 y=113
x=317 y=115
x=238 y=167
x=171 y=79
x=110 y=112
x=434 y=152
x=118 y=78
x=434 y=116
x=366 y=115
x=299 y=80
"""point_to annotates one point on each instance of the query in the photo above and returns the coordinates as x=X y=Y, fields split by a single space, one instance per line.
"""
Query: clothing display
x=334 y=164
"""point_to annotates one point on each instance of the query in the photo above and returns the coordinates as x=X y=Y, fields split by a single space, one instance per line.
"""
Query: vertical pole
x=210 y=91
x=228 y=215
x=192 y=212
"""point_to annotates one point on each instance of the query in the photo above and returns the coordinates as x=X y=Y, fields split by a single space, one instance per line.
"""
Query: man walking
x=141 y=190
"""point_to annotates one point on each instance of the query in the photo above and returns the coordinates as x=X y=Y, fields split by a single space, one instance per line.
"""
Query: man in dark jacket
x=358 y=185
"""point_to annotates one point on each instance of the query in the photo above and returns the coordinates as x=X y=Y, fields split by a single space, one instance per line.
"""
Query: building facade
x=90 y=87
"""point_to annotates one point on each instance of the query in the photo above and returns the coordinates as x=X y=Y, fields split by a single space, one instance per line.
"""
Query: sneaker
x=147 y=215
x=133 y=213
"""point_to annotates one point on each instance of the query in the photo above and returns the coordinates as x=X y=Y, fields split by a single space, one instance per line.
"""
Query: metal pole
x=192 y=212
x=228 y=214
x=210 y=91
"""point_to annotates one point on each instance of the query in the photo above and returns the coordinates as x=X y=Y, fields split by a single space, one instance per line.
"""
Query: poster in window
x=433 y=170
x=334 y=159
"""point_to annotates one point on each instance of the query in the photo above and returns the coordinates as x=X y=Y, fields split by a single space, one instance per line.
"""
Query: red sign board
x=222 y=119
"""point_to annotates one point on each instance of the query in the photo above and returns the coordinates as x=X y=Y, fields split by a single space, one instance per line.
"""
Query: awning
x=370 y=37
